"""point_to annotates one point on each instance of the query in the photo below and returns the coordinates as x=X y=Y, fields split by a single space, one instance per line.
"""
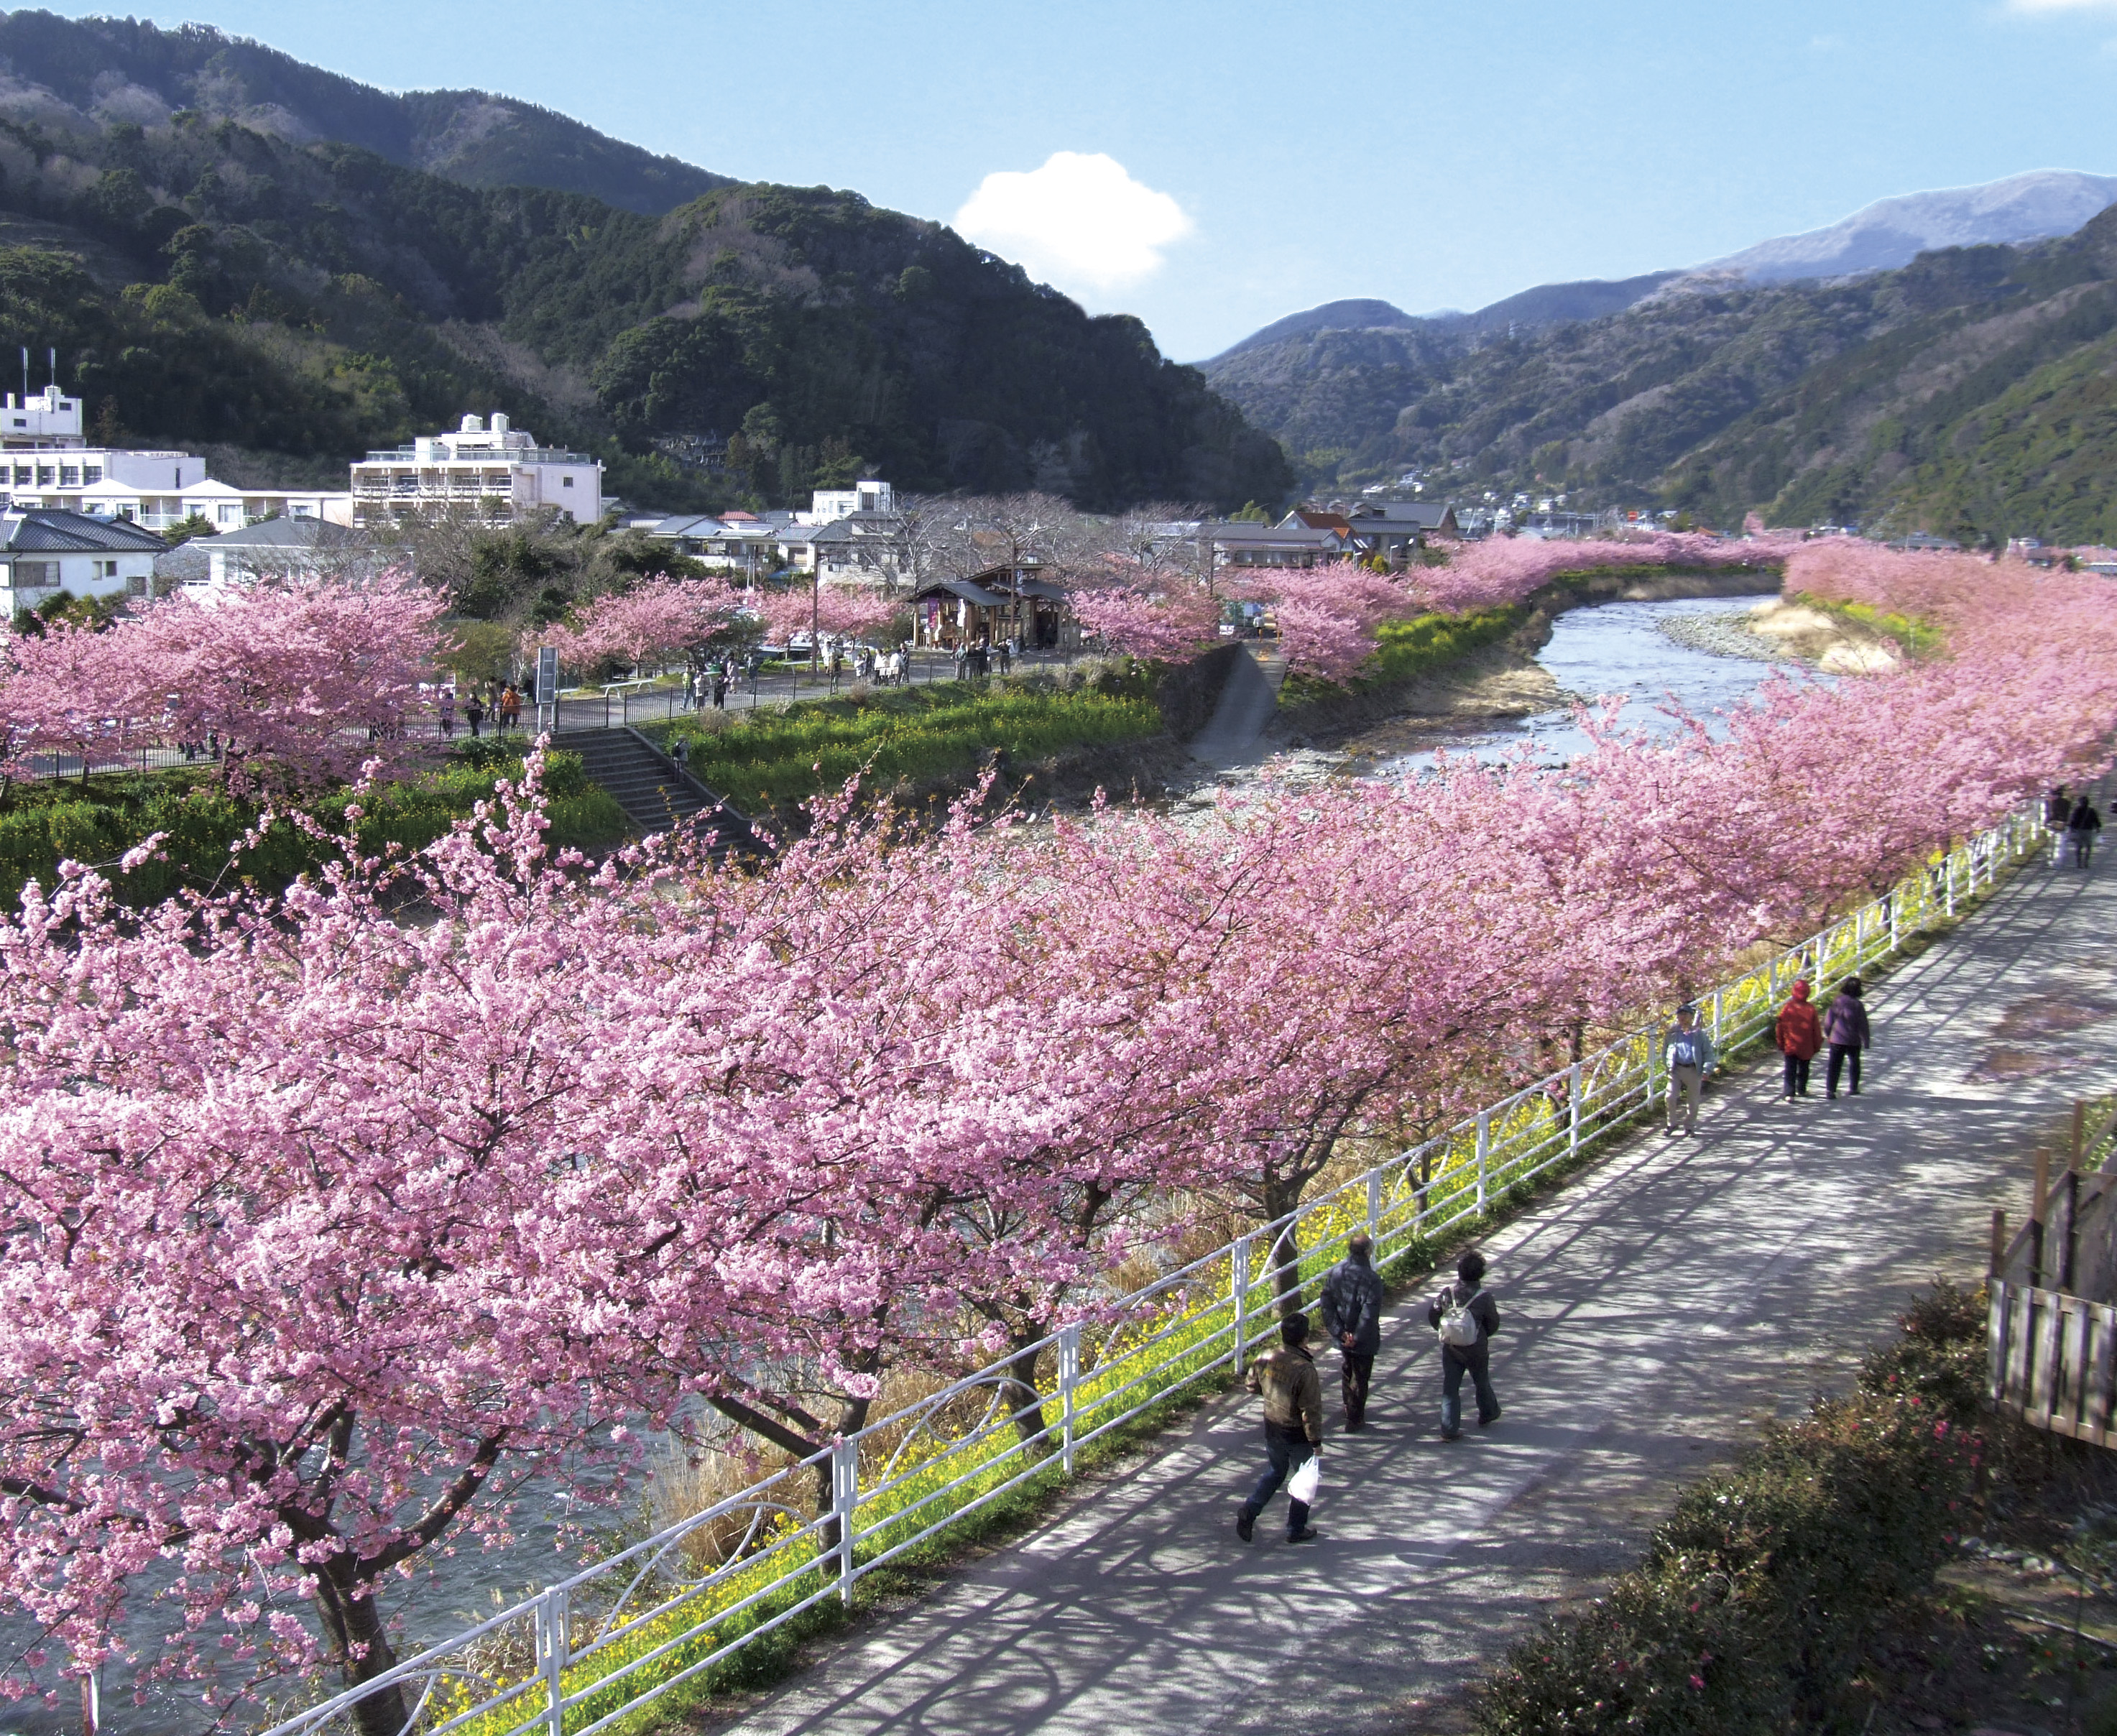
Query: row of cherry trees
x=325 y=1230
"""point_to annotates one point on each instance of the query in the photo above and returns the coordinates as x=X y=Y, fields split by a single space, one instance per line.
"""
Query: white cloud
x=1080 y=218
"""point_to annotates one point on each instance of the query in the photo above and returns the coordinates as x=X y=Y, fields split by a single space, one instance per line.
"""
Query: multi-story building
x=497 y=473
x=827 y=505
x=47 y=463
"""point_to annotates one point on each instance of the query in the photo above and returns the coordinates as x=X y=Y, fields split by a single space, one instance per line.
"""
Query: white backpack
x=1459 y=1326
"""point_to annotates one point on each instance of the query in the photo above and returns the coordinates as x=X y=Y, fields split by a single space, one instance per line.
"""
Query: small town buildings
x=827 y=504
x=736 y=543
x=286 y=548
x=223 y=505
x=497 y=472
x=46 y=463
x=45 y=552
x=1240 y=544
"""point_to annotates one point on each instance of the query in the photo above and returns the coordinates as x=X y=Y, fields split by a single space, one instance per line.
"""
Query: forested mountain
x=208 y=282
x=1972 y=392
x=68 y=74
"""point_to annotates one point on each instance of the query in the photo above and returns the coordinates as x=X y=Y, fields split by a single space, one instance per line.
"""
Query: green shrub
x=1757 y=1595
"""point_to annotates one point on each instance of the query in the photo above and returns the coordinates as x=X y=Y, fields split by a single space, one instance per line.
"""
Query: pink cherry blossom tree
x=658 y=621
x=299 y=682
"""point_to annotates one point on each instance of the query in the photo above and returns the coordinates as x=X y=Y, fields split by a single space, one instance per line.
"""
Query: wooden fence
x=2053 y=1357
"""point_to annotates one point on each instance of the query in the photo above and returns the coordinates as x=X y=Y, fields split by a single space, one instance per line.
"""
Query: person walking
x=720 y=691
x=1845 y=1030
x=1351 y=1306
x=475 y=713
x=447 y=714
x=2058 y=810
x=1688 y=1052
x=1285 y=1377
x=1465 y=1316
x=1800 y=1034
x=510 y=708
x=2081 y=827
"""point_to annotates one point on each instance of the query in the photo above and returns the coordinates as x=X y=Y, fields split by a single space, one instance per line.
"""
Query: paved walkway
x=1655 y=1310
x=1247 y=704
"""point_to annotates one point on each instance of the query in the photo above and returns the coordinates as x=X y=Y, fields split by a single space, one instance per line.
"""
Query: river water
x=1611 y=648
x=1617 y=649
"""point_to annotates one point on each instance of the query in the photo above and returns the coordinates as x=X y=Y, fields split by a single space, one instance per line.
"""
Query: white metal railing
x=595 y=1648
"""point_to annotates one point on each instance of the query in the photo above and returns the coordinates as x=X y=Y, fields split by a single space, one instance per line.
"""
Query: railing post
x=1893 y=941
x=1573 y=1103
x=1069 y=1380
x=845 y=1498
x=1238 y=1282
x=1950 y=884
x=1484 y=1152
x=552 y=1641
x=1716 y=1016
x=1374 y=1201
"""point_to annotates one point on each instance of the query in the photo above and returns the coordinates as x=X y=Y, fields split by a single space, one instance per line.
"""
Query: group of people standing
x=1464 y=1318
x=2072 y=823
x=503 y=703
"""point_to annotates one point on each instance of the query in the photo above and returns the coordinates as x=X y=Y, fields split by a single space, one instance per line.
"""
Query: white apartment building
x=46 y=462
x=827 y=505
x=497 y=472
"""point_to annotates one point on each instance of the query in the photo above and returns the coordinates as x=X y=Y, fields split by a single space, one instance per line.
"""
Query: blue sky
x=1212 y=164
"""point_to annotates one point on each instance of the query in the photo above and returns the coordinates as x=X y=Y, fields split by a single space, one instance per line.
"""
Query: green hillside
x=85 y=73
x=208 y=282
x=1968 y=392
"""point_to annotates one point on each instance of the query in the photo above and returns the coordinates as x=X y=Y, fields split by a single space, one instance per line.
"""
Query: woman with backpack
x=1465 y=1317
x=1845 y=1027
x=1800 y=1035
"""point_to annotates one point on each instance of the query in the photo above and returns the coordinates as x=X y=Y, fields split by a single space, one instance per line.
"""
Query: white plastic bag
x=1307 y=1475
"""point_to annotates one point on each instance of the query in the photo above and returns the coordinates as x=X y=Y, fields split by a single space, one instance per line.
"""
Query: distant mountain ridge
x=93 y=72
x=2032 y=206
x=1891 y=233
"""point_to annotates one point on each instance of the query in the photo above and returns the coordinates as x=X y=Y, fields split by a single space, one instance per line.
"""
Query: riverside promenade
x=1656 y=1310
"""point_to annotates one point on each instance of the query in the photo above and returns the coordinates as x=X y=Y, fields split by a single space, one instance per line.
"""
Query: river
x=1616 y=648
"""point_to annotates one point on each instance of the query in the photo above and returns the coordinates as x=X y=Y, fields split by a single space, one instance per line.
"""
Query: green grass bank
x=99 y=820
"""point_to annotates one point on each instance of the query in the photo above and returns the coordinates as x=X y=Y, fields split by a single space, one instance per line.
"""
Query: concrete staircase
x=657 y=795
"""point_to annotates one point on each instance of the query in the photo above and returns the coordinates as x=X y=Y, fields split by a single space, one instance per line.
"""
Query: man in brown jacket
x=1292 y=1393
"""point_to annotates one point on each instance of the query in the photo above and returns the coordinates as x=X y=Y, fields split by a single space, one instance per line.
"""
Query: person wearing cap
x=1688 y=1052
x=1285 y=1377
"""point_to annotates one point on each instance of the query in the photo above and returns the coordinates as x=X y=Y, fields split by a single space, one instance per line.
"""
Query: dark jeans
x=1359 y=1369
x=1796 y=1077
x=1455 y=1364
x=1840 y=1054
x=1288 y=1449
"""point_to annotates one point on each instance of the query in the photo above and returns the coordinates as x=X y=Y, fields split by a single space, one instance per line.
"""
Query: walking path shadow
x=1656 y=1310
x=1232 y=734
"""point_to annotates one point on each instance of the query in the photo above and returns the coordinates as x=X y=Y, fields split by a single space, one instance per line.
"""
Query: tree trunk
x=1023 y=1399
x=354 y=1624
x=1281 y=1198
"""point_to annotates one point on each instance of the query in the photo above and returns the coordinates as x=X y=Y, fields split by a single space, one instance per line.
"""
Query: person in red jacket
x=1800 y=1034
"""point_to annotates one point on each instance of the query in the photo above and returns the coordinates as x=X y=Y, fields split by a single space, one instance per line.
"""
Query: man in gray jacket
x=1688 y=1052
x=1352 y=1309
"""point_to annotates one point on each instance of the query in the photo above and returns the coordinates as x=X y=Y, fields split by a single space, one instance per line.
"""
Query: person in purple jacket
x=1845 y=1030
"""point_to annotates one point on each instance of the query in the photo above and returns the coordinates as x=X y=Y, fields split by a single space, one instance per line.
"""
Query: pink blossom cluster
x=1328 y=616
x=325 y=1228
x=299 y=682
x=1154 y=612
x=1499 y=570
x=659 y=619
x=844 y=611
